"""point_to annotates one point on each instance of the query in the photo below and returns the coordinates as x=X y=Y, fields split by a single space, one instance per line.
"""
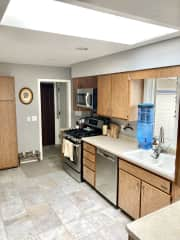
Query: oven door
x=76 y=163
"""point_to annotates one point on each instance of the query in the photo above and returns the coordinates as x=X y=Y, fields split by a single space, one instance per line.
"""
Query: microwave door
x=81 y=99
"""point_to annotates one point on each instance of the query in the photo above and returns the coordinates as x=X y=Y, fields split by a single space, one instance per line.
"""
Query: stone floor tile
x=40 y=201
x=66 y=210
x=5 y=177
x=86 y=202
x=99 y=220
x=32 y=196
x=116 y=231
x=80 y=228
x=116 y=215
x=12 y=209
x=3 y=235
x=21 y=229
x=59 y=233
x=94 y=236
x=43 y=218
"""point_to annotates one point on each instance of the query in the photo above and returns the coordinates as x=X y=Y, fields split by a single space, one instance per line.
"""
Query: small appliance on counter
x=145 y=125
x=114 y=130
x=80 y=123
x=92 y=127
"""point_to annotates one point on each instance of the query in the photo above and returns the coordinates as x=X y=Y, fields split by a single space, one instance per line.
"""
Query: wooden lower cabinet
x=89 y=176
x=129 y=194
x=140 y=193
x=89 y=148
x=89 y=163
x=8 y=139
x=152 y=199
x=175 y=193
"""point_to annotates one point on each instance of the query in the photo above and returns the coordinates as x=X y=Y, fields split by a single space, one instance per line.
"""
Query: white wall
x=62 y=120
x=161 y=54
x=26 y=76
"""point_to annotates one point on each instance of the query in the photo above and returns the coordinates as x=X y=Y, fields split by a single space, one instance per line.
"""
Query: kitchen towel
x=68 y=149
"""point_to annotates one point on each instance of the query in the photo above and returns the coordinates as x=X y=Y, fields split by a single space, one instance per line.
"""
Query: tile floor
x=39 y=201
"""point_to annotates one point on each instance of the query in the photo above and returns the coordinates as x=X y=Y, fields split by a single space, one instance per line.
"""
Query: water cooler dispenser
x=145 y=125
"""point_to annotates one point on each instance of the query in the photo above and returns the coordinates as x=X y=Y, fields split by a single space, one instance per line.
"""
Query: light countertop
x=163 y=224
x=112 y=145
x=125 y=144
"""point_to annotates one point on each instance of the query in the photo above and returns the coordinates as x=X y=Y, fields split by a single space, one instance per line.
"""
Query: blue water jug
x=145 y=125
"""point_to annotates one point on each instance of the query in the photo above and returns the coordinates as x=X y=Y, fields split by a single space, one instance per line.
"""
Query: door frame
x=68 y=82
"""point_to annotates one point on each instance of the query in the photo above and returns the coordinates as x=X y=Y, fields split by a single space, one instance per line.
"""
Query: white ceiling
x=34 y=47
x=41 y=48
x=166 y=12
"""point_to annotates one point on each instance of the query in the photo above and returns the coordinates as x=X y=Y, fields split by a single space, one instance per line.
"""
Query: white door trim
x=39 y=107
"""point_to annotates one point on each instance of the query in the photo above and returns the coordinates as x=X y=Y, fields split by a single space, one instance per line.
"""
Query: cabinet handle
x=164 y=187
x=138 y=185
x=142 y=190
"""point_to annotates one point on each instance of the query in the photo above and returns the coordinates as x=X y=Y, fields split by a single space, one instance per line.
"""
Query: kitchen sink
x=165 y=163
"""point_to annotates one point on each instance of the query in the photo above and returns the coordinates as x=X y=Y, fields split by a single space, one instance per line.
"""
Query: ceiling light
x=67 y=19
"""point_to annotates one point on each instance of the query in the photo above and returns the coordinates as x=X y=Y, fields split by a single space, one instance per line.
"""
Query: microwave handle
x=88 y=95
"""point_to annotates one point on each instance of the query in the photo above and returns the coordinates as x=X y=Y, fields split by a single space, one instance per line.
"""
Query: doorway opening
x=54 y=116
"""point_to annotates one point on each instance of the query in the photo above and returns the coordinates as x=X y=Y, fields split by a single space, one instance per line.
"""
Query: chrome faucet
x=157 y=144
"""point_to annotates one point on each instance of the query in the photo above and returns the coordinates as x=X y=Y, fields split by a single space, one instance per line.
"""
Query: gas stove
x=92 y=127
x=76 y=135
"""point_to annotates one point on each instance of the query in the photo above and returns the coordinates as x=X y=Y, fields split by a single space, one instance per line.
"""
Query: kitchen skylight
x=67 y=19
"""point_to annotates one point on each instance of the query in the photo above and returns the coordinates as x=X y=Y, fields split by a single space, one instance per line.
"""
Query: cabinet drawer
x=89 y=164
x=89 y=156
x=157 y=181
x=89 y=148
x=89 y=175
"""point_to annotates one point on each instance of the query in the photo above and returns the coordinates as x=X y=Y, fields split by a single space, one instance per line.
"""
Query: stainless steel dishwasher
x=106 y=175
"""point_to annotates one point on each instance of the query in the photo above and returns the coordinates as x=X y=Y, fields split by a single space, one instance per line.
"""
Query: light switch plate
x=34 y=118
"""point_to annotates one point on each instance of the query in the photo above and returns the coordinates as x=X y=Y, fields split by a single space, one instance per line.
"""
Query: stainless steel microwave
x=87 y=98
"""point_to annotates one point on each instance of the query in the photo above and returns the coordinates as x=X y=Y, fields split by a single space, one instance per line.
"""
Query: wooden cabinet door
x=120 y=96
x=6 y=88
x=152 y=199
x=87 y=82
x=8 y=139
x=129 y=194
x=104 y=95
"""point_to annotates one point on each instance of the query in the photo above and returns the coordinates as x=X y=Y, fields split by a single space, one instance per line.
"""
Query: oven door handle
x=74 y=144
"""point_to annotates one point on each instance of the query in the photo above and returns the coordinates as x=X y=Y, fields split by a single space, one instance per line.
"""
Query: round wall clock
x=26 y=95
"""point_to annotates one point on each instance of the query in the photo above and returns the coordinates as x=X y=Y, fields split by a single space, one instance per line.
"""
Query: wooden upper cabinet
x=104 y=95
x=152 y=199
x=84 y=82
x=126 y=95
x=6 y=88
x=87 y=82
x=120 y=96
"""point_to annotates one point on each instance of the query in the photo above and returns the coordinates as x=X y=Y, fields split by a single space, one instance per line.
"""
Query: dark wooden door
x=47 y=113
